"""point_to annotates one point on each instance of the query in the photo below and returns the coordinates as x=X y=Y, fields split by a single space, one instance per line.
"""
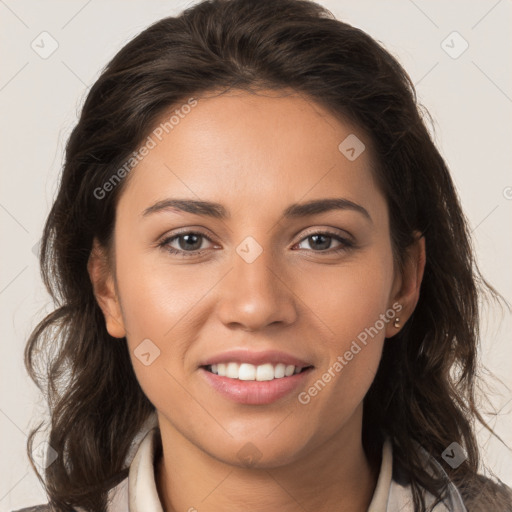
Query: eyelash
x=346 y=244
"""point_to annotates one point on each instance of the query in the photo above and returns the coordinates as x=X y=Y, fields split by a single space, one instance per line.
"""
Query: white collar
x=138 y=492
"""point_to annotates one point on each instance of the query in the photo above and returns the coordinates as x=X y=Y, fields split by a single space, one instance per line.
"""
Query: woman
x=305 y=339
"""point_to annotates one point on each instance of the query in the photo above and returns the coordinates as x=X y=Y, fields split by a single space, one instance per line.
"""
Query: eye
x=189 y=243
x=323 y=240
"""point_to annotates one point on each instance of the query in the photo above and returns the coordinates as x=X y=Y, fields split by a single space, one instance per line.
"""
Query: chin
x=257 y=452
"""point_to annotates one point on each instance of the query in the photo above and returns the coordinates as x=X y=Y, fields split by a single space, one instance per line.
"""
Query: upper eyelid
x=168 y=238
x=342 y=233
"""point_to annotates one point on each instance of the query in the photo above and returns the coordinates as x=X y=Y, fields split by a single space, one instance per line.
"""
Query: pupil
x=325 y=245
x=187 y=237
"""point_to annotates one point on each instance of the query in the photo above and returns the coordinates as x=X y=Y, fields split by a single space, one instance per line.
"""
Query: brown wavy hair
x=416 y=399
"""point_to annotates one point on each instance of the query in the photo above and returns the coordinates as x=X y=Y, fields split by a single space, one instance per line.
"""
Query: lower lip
x=252 y=392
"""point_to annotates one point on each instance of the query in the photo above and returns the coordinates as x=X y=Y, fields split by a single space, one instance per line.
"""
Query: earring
x=396 y=323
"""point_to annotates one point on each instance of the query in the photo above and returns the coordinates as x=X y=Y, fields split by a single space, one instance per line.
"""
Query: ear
x=406 y=287
x=102 y=281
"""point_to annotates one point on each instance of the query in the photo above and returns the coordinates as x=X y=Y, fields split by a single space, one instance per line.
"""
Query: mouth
x=255 y=378
x=251 y=372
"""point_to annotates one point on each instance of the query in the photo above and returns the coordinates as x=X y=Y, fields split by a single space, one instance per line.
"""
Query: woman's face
x=260 y=280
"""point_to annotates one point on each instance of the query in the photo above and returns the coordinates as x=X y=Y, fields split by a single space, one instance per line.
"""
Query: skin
x=256 y=154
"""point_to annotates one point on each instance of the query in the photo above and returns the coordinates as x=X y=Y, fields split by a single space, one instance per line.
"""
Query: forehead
x=244 y=147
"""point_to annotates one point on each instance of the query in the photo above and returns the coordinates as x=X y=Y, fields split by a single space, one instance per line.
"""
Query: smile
x=251 y=372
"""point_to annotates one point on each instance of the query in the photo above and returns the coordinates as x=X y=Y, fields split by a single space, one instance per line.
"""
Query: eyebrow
x=218 y=211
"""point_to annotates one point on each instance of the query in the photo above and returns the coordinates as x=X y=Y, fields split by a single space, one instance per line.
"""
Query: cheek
x=156 y=297
x=350 y=298
x=161 y=313
x=352 y=305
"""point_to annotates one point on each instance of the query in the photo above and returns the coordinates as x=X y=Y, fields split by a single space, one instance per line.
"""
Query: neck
x=188 y=479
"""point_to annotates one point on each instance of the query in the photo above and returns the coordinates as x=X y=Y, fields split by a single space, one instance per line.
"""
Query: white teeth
x=279 y=370
x=246 y=371
x=232 y=370
x=265 y=372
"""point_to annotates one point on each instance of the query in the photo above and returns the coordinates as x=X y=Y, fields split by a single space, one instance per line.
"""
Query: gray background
x=469 y=96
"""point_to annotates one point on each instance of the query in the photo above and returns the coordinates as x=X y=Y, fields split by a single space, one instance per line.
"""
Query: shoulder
x=484 y=494
x=475 y=493
x=35 y=508
x=39 y=508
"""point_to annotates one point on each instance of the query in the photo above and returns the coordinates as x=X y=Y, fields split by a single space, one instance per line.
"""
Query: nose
x=256 y=294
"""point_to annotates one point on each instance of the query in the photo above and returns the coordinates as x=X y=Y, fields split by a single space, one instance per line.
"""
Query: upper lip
x=244 y=355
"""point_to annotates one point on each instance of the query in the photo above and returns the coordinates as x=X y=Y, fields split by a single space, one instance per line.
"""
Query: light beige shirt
x=138 y=491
